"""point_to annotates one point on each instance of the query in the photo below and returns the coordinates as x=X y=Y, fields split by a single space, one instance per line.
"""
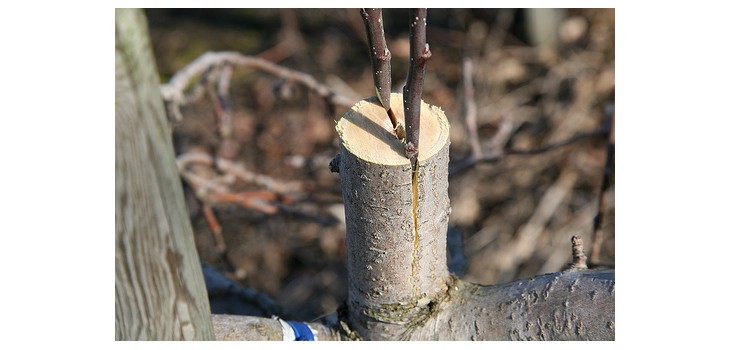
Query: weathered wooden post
x=159 y=288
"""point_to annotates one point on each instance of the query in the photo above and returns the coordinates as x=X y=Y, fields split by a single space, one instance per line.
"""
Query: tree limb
x=568 y=305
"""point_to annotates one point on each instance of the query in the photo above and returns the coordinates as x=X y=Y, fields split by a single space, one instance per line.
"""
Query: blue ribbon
x=302 y=332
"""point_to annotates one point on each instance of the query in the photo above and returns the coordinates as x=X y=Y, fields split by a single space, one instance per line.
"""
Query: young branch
x=420 y=53
x=379 y=58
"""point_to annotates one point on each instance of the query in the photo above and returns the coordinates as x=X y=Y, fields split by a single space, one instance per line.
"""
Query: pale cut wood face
x=367 y=132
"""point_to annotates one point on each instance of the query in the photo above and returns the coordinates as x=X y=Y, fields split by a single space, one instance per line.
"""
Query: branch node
x=579 y=258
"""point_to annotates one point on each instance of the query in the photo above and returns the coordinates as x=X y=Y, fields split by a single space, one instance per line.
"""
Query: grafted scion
x=379 y=58
x=420 y=53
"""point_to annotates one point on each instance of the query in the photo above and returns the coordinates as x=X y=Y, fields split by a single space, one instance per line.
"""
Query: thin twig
x=174 y=91
x=240 y=172
x=379 y=58
x=228 y=148
x=215 y=227
x=420 y=53
x=470 y=108
x=502 y=135
x=497 y=155
x=258 y=200
x=605 y=185
x=499 y=31
x=224 y=100
x=279 y=197
x=525 y=242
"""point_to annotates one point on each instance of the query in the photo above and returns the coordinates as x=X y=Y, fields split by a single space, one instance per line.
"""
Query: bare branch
x=240 y=172
x=605 y=185
x=497 y=155
x=500 y=138
x=470 y=108
x=224 y=101
x=174 y=91
x=379 y=58
x=215 y=227
x=420 y=53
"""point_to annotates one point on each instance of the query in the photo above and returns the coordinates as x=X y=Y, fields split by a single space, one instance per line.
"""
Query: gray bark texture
x=399 y=287
x=159 y=288
x=234 y=327
x=396 y=230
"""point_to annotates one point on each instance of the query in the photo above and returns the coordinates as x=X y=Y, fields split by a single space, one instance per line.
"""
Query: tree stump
x=396 y=218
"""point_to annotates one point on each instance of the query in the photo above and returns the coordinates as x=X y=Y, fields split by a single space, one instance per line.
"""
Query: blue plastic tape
x=302 y=332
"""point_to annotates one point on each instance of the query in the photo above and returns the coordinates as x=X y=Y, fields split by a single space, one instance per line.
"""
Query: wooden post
x=159 y=288
x=396 y=230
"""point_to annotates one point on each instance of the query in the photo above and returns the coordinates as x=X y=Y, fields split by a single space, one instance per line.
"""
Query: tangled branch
x=174 y=91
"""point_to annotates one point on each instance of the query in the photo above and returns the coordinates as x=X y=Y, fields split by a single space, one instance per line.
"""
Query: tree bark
x=396 y=229
x=159 y=288
x=399 y=286
x=569 y=305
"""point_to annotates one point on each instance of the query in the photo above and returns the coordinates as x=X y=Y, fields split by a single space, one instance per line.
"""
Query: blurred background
x=539 y=77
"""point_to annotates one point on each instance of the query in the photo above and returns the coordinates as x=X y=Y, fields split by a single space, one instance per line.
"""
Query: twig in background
x=291 y=38
x=258 y=200
x=240 y=172
x=524 y=244
x=174 y=91
x=419 y=54
x=222 y=106
x=497 y=155
x=605 y=185
x=501 y=137
x=380 y=59
x=224 y=101
x=279 y=197
x=500 y=30
x=215 y=227
x=470 y=108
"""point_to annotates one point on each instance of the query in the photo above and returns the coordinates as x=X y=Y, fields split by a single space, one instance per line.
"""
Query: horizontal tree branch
x=569 y=305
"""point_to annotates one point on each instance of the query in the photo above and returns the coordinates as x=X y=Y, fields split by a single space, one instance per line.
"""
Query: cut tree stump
x=389 y=280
